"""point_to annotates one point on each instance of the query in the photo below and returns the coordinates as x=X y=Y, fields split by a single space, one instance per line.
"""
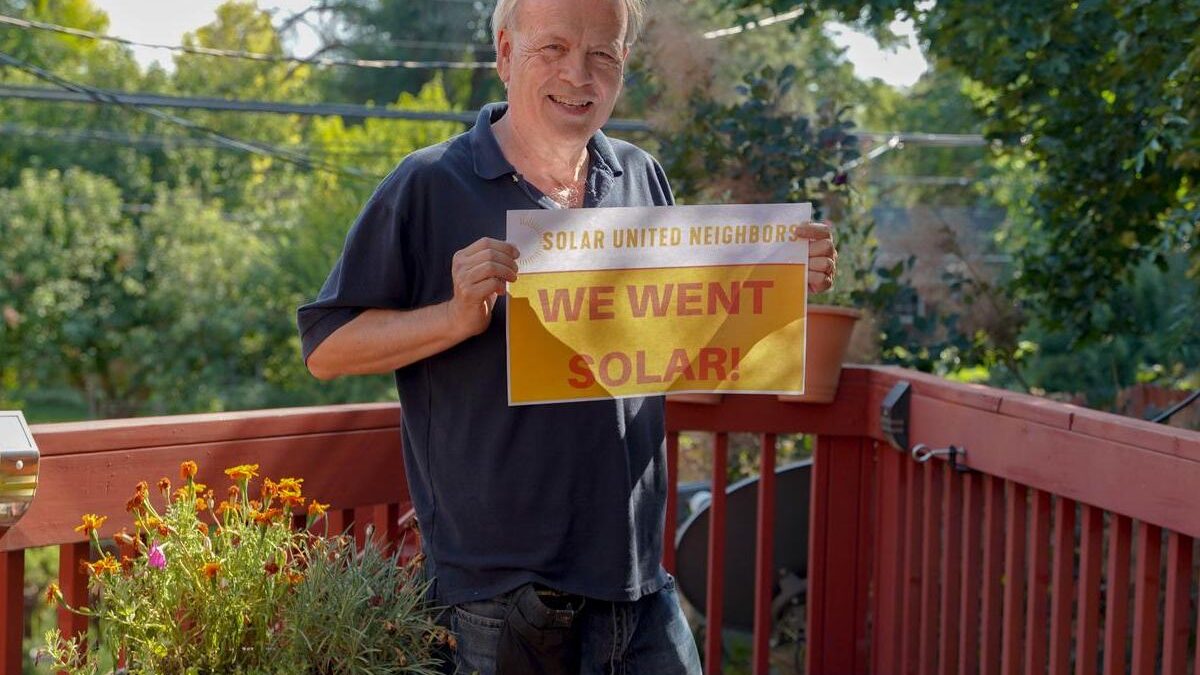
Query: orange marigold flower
x=269 y=489
x=290 y=484
x=136 y=502
x=180 y=494
x=242 y=472
x=294 y=577
x=104 y=565
x=316 y=509
x=143 y=487
x=266 y=517
x=226 y=507
x=164 y=485
x=123 y=537
x=53 y=593
x=198 y=487
x=201 y=504
x=91 y=523
x=152 y=523
x=188 y=469
x=203 y=527
x=210 y=569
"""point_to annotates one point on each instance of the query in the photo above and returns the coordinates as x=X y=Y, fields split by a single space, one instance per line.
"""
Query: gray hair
x=506 y=10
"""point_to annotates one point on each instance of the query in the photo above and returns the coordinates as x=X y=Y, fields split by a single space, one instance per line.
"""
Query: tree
x=1102 y=95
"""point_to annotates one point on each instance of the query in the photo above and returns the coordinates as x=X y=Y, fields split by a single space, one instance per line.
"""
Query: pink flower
x=156 y=557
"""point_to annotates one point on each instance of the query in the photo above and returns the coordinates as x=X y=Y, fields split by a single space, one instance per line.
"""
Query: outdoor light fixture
x=893 y=415
x=18 y=468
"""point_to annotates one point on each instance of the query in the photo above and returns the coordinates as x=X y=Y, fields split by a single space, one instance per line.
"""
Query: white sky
x=165 y=22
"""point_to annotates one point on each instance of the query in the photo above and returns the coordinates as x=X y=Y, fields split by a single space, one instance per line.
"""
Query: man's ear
x=504 y=51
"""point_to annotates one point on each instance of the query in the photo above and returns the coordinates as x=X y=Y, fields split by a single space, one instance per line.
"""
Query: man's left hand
x=822 y=255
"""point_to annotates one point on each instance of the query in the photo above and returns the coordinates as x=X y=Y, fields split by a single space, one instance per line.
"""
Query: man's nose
x=575 y=69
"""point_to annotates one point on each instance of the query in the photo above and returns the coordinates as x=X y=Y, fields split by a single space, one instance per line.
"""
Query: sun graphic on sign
x=532 y=256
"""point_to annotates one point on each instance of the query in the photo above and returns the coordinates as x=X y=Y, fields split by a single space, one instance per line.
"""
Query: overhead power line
x=303 y=109
x=752 y=25
x=102 y=96
x=353 y=111
x=27 y=24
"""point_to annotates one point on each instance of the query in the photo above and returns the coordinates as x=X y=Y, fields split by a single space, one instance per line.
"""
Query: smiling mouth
x=573 y=103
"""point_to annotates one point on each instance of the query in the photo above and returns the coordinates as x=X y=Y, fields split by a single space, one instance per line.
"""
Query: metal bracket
x=923 y=453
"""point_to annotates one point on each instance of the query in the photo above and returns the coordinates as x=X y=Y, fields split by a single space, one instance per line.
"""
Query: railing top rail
x=72 y=438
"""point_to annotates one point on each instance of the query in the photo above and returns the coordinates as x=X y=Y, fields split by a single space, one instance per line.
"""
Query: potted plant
x=204 y=586
x=758 y=150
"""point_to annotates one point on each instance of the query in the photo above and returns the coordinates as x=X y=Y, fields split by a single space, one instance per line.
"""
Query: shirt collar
x=490 y=162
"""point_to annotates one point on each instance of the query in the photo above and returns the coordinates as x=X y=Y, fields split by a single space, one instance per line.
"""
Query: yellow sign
x=621 y=302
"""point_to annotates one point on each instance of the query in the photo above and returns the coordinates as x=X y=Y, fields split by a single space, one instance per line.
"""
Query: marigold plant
x=201 y=587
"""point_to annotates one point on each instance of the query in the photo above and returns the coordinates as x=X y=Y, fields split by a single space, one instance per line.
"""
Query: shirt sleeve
x=372 y=272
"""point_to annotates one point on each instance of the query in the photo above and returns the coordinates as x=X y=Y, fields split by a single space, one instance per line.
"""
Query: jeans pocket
x=538 y=639
x=478 y=634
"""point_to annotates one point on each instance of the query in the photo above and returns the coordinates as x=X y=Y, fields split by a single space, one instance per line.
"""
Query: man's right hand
x=479 y=272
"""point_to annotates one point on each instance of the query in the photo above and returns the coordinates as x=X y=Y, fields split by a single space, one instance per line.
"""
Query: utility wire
x=752 y=25
x=105 y=97
x=27 y=24
x=349 y=110
x=90 y=135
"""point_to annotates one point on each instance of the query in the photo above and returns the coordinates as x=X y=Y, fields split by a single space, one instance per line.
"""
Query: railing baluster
x=1178 y=604
x=764 y=575
x=931 y=541
x=1039 y=580
x=1015 y=547
x=972 y=578
x=838 y=569
x=1116 y=619
x=911 y=610
x=72 y=579
x=672 y=501
x=1087 y=626
x=716 y=557
x=1062 y=586
x=952 y=520
x=12 y=609
x=889 y=561
x=993 y=572
x=1145 y=604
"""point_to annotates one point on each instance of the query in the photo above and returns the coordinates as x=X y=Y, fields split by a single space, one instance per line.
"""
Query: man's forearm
x=382 y=340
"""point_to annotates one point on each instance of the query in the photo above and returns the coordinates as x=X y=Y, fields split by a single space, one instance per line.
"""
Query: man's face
x=563 y=61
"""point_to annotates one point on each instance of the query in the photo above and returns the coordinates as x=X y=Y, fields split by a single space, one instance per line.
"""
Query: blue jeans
x=647 y=637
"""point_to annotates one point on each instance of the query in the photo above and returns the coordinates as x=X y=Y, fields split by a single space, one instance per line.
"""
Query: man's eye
x=554 y=48
x=604 y=55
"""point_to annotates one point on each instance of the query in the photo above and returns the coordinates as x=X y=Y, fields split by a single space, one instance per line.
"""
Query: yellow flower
x=53 y=593
x=188 y=469
x=91 y=523
x=290 y=485
x=201 y=504
x=210 y=569
x=316 y=509
x=104 y=565
x=243 y=472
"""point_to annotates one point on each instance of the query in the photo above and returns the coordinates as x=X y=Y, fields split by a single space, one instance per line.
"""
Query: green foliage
x=230 y=587
x=359 y=612
x=1103 y=95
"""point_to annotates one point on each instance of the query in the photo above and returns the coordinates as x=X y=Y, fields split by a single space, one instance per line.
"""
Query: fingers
x=819 y=281
x=487 y=243
x=822 y=248
x=816 y=231
x=823 y=265
x=488 y=269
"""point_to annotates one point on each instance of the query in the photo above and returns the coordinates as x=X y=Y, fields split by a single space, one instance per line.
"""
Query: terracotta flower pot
x=828 y=333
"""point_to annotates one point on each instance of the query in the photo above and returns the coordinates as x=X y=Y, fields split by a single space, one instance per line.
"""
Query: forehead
x=602 y=20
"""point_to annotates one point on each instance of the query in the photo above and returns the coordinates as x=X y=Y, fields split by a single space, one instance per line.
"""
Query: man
x=543 y=525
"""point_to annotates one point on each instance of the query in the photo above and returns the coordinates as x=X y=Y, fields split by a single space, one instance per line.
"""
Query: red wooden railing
x=1046 y=556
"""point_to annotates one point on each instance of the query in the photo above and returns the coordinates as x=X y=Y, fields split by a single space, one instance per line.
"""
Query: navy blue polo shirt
x=571 y=495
